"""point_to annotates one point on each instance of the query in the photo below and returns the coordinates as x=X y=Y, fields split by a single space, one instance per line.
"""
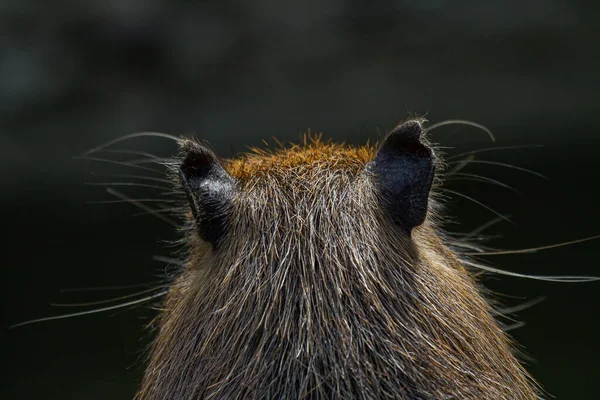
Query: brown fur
x=314 y=293
x=313 y=153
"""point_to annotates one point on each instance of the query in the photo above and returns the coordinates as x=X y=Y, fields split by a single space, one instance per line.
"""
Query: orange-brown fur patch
x=313 y=153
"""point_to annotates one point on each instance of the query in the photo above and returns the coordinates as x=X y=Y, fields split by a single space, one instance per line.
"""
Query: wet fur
x=315 y=293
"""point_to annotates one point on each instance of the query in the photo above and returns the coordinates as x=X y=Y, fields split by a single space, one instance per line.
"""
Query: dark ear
x=209 y=189
x=403 y=170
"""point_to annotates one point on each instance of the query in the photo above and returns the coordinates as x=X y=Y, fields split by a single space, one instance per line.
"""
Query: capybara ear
x=209 y=189
x=403 y=169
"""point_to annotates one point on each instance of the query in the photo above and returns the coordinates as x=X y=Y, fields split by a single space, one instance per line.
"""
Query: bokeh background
x=74 y=74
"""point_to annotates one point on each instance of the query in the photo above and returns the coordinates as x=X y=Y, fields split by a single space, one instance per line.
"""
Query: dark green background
x=74 y=74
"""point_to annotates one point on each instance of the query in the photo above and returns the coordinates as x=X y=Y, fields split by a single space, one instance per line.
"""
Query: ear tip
x=193 y=153
x=187 y=146
x=406 y=138
x=412 y=129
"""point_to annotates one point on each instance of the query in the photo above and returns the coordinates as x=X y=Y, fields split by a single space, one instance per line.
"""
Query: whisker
x=478 y=178
x=128 y=151
x=484 y=226
x=463 y=237
x=158 y=210
x=122 y=163
x=129 y=201
x=513 y=326
x=169 y=260
x=88 y=312
x=145 y=185
x=480 y=204
x=519 y=307
x=101 y=288
x=94 y=303
x=156 y=160
x=133 y=176
x=460 y=165
x=534 y=249
x=500 y=164
x=463 y=122
x=545 y=278
x=467 y=245
x=487 y=149
x=144 y=207
x=131 y=136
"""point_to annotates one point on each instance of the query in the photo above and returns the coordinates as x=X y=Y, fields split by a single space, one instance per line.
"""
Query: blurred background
x=75 y=74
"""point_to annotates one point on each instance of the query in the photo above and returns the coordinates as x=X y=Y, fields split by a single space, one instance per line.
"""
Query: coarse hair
x=312 y=289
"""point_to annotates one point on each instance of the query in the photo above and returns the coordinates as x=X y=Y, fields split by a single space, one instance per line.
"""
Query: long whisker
x=131 y=136
x=101 y=288
x=133 y=176
x=471 y=246
x=480 y=204
x=94 y=303
x=145 y=185
x=98 y=310
x=157 y=210
x=534 y=249
x=513 y=326
x=500 y=164
x=169 y=260
x=129 y=201
x=461 y=238
x=155 y=160
x=128 y=151
x=144 y=207
x=484 y=226
x=463 y=122
x=485 y=179
x=122 y=163
x=519 y=307
x=487 y=149
x=545 y=278
x=460 y=165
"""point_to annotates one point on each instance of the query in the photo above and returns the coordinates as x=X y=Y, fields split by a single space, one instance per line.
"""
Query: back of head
x=319 y=271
